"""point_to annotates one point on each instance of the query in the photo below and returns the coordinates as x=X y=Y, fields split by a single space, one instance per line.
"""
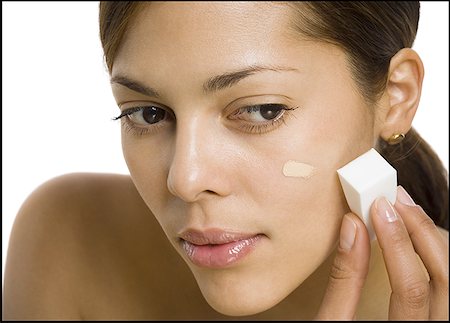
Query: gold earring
x=396 y=138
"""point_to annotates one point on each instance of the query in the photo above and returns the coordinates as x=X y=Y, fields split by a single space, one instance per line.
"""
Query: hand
x=402 y=231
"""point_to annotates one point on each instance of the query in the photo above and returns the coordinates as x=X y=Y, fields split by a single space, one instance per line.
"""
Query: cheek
x=305 y=213
x=301 y=214
x=318 y=207
x=307 y=216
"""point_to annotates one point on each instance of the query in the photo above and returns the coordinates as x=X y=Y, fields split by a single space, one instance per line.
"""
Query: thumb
x=348 y=272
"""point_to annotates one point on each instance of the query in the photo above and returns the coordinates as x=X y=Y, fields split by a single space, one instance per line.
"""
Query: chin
x=242 y=294
x=240 y=306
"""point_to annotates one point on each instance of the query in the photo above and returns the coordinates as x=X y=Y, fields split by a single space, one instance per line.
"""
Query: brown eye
x=260 y=113
x=153 y=115
x=270 y=111
x=142 y=120
x=260 y=118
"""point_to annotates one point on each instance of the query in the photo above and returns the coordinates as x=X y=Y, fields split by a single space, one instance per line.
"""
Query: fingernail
x=348 y=233
x=403 y=197
x=385 y=210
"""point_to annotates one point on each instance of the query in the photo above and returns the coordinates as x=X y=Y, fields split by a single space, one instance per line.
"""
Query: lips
x=215 y=248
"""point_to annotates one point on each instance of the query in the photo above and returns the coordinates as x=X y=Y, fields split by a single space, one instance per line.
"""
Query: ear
x=403 y=90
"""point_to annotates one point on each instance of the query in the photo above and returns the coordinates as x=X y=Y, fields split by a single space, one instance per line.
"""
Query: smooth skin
x=95 y=246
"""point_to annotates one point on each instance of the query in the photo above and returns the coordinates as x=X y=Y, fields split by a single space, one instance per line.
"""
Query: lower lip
x=220 y=255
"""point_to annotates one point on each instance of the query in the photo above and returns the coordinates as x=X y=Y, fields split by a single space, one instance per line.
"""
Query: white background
x=57 y=103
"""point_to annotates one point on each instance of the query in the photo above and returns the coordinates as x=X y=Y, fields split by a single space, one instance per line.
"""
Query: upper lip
x=213 y=236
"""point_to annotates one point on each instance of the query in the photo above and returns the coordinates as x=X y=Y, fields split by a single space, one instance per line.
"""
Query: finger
x=348 y=272
x=410 y=288
x=432 y=249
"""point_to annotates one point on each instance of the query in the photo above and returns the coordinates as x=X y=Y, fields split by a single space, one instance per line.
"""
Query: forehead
x=215 y=33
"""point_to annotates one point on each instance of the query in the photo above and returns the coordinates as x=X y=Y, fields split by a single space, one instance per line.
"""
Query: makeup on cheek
x=294 y=168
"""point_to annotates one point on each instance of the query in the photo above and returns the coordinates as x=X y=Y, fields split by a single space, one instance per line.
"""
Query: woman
x=215 y=99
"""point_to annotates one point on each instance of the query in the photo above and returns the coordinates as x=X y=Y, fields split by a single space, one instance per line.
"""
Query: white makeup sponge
x=363 y=180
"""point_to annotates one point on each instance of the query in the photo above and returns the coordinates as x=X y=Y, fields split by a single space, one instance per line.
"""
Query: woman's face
x=207 y=153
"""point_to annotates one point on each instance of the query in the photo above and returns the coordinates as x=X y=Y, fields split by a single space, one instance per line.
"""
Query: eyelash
x=131 y=128
x=267 y=126
x=248 y=127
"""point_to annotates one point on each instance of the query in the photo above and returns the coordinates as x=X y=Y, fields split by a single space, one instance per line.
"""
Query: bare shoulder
x=77 y=201
x=444 y=233
x=71 y=231
x=85 y=246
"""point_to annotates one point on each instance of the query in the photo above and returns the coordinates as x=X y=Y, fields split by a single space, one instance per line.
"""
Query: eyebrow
x=229 y=79
x=213 y=84
x=135 y=86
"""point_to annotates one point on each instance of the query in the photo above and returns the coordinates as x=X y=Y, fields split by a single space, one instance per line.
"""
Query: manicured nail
x=403 y=197
x=348 y=233
x=385 y=210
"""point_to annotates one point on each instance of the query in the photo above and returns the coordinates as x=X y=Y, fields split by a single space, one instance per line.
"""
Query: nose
x=197 y=168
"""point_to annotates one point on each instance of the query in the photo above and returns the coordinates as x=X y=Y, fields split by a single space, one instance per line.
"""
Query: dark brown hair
x=371 y=33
